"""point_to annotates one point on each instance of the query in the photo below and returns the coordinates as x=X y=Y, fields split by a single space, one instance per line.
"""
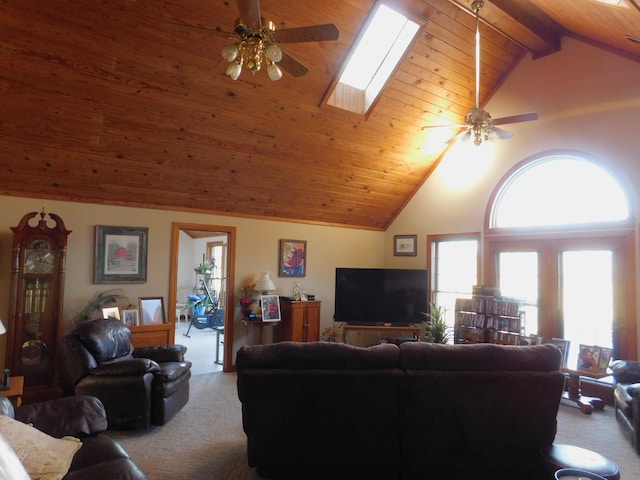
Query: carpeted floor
x=205 y=440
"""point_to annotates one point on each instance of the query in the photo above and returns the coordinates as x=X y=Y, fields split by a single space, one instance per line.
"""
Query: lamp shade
x=264 y=283
x=3 y=329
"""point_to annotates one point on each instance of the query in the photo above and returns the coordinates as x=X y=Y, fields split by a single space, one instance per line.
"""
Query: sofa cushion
x=317 y=355
x=479 y=357
x=43 y=457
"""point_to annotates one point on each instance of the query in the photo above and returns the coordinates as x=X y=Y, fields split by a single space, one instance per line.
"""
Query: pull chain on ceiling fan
x=478 y=122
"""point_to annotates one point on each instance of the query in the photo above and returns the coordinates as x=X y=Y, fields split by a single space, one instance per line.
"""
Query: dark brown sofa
x=627 y=399
x=139 y=387
x=418 y=410
x=83 y=417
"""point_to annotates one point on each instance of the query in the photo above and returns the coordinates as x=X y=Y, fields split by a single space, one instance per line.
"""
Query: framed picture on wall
x=292 y=259
x=405 y=245
x=120 y=254
x=152 y=310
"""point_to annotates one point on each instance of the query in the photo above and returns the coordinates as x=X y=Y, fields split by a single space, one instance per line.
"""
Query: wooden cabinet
x=151 y=335
x=300 y=321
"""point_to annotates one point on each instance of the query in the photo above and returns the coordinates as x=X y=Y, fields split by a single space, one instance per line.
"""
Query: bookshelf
x=487 y=317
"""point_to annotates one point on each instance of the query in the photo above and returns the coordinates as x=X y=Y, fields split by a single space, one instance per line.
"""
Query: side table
x=574 y=392
x=15 y=391
x=259 y=324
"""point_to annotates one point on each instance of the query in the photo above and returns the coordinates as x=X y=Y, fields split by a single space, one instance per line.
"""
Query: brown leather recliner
x=82 y=417
x=138 y=387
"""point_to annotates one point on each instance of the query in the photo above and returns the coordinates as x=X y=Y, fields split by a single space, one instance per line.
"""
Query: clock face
x=39 y=258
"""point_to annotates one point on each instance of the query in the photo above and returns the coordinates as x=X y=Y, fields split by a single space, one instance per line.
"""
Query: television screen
x=377 y=295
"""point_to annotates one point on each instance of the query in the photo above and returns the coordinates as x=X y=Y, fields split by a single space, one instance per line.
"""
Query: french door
x=580 y=289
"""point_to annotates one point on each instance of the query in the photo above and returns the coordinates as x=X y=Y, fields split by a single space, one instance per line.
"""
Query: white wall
x=588 y=101
x=256 y=251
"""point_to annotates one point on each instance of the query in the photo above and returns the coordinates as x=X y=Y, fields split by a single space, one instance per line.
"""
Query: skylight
x=615 y=3
x=374 y=58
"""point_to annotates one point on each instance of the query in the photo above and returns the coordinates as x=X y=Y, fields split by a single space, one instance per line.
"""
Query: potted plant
x=435 y=326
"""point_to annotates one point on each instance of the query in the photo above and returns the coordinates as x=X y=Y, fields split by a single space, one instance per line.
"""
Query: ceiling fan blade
x=463 y=136
x=250 y=13
x=445 y=126
x=523 y=117
x=312 y=33
x=498 y=133
x=292 y=66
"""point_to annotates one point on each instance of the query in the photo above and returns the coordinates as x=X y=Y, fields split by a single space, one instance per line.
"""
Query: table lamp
x=265 y=284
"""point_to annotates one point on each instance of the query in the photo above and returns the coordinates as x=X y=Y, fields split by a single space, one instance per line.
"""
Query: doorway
x=192 y=245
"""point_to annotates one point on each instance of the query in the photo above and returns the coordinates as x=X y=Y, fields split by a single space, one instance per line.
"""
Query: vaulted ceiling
x=113 y=102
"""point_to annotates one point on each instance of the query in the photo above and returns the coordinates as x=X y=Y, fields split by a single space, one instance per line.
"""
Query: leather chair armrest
x=161 y=353
x=81 y=416
x=124 y=368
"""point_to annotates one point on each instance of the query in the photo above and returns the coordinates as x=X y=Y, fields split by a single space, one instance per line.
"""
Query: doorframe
x=176 y=228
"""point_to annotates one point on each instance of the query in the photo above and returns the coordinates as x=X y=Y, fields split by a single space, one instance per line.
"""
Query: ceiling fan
x=256 y=42
x=478 y=122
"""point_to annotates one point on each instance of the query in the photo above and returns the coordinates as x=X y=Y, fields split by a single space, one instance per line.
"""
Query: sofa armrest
x=80 y=416
x=125 y=368
x=161 y=353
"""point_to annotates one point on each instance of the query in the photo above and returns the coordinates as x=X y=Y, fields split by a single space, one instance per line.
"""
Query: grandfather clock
x=35 y=310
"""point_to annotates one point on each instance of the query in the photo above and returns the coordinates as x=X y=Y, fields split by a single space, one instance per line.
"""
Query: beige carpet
x=205 y=440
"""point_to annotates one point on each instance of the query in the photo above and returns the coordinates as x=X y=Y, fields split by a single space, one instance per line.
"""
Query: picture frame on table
x=405 y=245
x=589 y=358
x=151 y=311
x=111 y=312
x=292 y=258
x=120 y=254
x=563 y=345
x=130 y=317
x=270 y=305
x=605 y=359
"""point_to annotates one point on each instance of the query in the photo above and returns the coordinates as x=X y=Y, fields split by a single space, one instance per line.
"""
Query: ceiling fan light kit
x=253 y=47
x=256 y=43
x=478 y=123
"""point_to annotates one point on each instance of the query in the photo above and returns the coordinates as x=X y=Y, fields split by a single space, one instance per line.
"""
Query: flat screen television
x=373 y=296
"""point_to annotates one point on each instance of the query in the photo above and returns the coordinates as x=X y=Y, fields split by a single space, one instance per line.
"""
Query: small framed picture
x=563 y=345
x=292 y=258
x=111 y=312
x=270 y=308
x=152 y=311
x=130 y=317
x=605 y=359
x=589 y=358
x=405 y=245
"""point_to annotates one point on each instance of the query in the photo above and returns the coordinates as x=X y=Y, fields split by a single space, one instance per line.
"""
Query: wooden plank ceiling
x=108 y=102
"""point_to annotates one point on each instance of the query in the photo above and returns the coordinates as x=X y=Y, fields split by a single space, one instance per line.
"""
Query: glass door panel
x=586 y=282
x=518 y=278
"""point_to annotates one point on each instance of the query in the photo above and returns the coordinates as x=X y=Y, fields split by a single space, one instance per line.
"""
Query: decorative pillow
x=10 y=466
x=43 y=457
x=625 y=371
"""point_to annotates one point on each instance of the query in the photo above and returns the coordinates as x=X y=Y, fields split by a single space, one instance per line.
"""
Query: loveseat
x=40 y=427
x=627 y=399
x=139 y=387
x=414 y=411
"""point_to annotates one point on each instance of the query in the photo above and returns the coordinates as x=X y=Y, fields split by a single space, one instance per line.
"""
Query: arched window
x=573 y=269
x=559 y=190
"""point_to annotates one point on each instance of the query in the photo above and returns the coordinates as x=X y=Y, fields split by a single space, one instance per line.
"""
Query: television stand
x=402 y=330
